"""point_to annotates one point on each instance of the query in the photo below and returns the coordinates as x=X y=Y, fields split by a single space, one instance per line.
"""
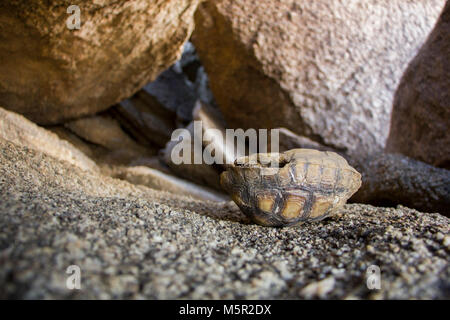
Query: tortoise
x=307 y=185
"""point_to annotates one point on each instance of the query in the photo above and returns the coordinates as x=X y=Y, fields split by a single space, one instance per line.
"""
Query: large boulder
x=391 y=179
x=21 y=131
x=50 y=73
x=108 y=142
x=421 y=115
x=155 y=179
x=325 y=69
x=104 y=131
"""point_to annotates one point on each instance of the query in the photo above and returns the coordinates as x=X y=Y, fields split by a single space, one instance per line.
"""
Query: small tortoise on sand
x=307 y=185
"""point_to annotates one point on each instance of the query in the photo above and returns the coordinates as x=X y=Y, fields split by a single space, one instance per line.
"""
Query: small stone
x=446 y=242
x=318 y=289
x=439 y=236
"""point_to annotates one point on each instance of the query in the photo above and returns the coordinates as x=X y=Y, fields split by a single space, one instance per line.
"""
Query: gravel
x=132 y=242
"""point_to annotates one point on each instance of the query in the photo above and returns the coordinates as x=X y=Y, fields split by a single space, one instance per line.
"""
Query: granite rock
x=327 y=70
x=21 y=131
x=421 y=114
x=51 y=73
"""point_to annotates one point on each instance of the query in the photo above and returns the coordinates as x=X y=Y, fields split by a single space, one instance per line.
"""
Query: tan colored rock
x=87 y=148
x=116 y=146
x=17 y=129
x=158 y=180
x=201 y=173
x=421 y=116
x=324 y=69
x=50 y=73
x=101 y=130
x=153 y=162
x=128 y=164
x=318 y=289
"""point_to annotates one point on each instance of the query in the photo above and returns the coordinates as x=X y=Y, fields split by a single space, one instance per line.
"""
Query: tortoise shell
x=306 y=185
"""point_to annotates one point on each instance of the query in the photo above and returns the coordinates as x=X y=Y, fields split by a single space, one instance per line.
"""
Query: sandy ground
x=133 y=242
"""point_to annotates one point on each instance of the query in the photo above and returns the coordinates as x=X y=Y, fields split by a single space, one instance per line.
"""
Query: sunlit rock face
x=421 y=114
x=51 y=73
x=324 y=69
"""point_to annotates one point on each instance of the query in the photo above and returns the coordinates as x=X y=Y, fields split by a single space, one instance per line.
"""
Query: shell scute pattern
x=308 y=185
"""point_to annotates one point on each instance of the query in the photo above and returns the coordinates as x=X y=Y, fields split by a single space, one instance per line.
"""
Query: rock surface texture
x=155 y=179
x=103 y=131
x=201 y=173
x=107 y=141
x=133 y=242
x=21 y=131
x=50 y=73
x=390 y=179
x=147 y=120
x=421 y=114
x=325 y=69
